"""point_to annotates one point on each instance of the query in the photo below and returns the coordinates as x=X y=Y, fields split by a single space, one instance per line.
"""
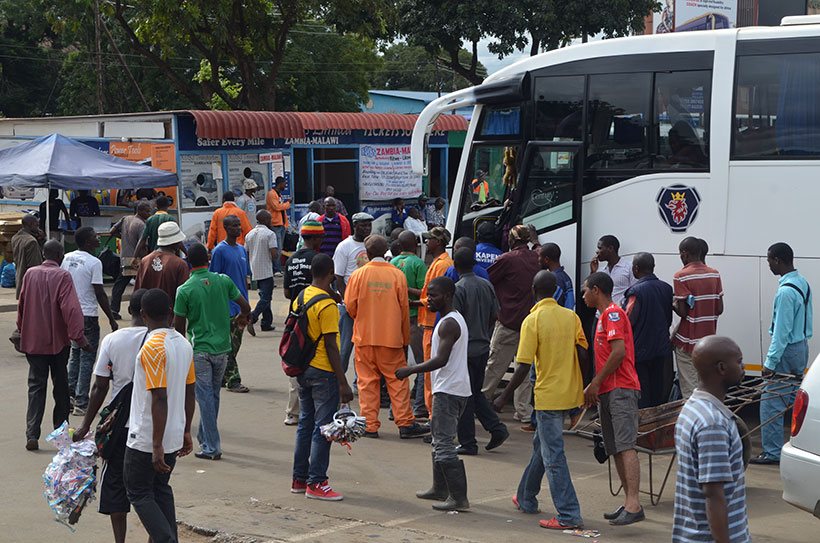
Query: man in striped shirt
x=710 y=493
x=616 y=266
x=698 y=300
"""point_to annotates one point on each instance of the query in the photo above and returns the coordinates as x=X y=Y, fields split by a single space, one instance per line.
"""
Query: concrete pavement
x=246 y=497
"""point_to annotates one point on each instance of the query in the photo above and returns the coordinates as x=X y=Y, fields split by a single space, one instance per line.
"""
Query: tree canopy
x=408 y=67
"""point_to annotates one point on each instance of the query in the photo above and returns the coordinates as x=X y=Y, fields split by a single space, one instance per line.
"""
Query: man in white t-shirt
x=263 y=249
x=86 y=273
x=163 y=398
x=450 y=378
x=350 y=255
x=115 y=367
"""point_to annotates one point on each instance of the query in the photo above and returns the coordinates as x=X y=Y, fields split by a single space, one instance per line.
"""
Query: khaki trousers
x=503 y=347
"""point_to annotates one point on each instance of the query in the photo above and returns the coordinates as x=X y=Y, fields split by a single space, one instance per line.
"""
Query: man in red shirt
x=48 y=319
x=615 y=389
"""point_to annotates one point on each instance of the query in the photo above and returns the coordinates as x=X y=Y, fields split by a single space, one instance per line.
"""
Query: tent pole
x=48 y=212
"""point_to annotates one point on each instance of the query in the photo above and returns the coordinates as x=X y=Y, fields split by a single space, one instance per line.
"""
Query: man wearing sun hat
x=247 y=201
x=163 y=269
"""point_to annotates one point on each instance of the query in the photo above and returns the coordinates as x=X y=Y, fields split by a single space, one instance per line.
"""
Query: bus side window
x=559 y=108
x=618 y=120
x=682 y=119
x=777 y=108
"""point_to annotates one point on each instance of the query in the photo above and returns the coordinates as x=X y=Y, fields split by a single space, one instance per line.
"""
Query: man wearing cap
x=349 y=256
x=437 y=240
x=278 y=210
x=163 y=269
x=216 y=232
x=512 y=275
x=262 y=251
x=297 y=278
x=422 y=207
x=247 y=201
x=336 y=227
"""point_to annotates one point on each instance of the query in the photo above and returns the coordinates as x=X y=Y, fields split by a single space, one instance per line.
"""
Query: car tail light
x=801 y=404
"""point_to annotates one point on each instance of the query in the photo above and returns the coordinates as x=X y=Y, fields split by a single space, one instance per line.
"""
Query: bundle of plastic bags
x=346 y=427
x=70 y=478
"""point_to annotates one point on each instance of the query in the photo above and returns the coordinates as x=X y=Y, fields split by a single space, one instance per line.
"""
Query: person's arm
x=448 y=333
x=335 y=357
x=212 y=231
x=102 y=299
x=95 y=207
x=719 y=306
x=339 y=269
x=522 y=370
x=116 y=230
x=180 y=324
x=142 y=245
x=190 y=405
x=245 y=224
x=421 y=272
x=71 y=311
x=782 y=326
x=717 y=512
x=350 y=295
x=680 y=294
x=99 y=390
x=62 y=209
x=244 y=310
x=159 y=416
x=616 y=358
x=632 y=309
x=404 y=303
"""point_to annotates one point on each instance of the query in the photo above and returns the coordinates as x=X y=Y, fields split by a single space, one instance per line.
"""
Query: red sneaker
x=554 y=524
x=298 y=487
x=322 y=491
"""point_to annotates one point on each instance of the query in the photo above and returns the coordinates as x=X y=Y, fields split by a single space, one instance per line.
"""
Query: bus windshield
x=486 y=186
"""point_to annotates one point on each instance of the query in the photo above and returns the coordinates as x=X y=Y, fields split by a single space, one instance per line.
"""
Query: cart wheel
x=745 y=438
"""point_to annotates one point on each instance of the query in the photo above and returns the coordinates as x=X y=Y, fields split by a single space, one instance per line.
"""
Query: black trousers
x=655 y=375
x=118 y=289
x=478 y=406
x=151 y=495
x=39 y=366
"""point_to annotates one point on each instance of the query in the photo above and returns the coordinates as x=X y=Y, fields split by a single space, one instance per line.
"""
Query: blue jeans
x=318 y=401
x=346 y=335
x=210 y=369
x=265 y=287
x=81 y=363
x=778 y=396
x=280 y=240
x=548 y=457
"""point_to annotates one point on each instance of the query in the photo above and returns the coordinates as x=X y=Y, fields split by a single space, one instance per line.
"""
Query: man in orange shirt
x=278 y=217
x=437 y=240
x=216 y=233
x=376 y=297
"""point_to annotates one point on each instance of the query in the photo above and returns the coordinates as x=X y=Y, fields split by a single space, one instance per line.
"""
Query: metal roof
x=278 y=124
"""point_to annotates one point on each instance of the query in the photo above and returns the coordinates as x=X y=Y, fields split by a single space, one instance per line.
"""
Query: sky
x=490 y=60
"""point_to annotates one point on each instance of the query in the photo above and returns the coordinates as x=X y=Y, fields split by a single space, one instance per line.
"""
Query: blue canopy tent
x=58 y=162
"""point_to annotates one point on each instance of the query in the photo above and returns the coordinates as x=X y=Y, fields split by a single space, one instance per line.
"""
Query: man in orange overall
x=376 y=297
x=437 y=240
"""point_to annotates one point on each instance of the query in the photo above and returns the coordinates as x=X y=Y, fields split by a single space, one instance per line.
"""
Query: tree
x=407 y=67
x=244 y=42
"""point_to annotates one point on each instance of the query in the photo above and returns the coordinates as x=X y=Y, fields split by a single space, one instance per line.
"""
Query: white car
x=800 y=457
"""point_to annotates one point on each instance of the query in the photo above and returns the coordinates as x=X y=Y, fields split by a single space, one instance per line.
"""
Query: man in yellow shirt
x=437 y=240
x=321 y=387
x=551 y=338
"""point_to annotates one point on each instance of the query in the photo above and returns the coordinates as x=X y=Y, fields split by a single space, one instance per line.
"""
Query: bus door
x=549 y=195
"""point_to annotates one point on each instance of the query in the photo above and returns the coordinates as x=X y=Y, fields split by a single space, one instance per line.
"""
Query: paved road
x=247 y=493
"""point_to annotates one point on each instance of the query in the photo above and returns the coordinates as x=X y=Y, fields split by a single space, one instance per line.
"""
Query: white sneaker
x=290 y=420
x=78 y=412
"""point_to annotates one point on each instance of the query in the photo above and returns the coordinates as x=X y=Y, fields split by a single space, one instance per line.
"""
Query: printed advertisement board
x=385 y=173
x=688 y=15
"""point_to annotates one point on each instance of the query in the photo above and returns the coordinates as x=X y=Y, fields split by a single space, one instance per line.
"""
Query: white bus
x=713 y=134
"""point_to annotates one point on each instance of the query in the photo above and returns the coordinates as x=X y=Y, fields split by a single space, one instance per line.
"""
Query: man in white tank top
x=451 y=388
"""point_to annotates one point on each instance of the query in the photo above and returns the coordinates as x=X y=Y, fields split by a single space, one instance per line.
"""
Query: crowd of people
x=465 y=320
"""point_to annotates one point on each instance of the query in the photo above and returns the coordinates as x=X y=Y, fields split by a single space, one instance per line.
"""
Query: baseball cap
x=438 y=232
x=312 y=228
x=169 y=234
x=362 y=217
x=250 y=184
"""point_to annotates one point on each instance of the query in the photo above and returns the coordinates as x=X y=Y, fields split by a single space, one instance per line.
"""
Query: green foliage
x=407 y=67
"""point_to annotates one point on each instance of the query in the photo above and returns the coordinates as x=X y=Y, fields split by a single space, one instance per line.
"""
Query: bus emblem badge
x=678 y=206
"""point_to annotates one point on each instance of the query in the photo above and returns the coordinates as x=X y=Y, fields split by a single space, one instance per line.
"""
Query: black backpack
x=296 y=347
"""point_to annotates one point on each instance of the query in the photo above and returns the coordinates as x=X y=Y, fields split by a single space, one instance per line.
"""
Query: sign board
x=688 y=15
x=385 y=173
x=267 y=158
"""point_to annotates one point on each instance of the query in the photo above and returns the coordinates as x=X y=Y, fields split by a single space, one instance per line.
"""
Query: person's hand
x=591 y=394
x=766 y=372
x=498 y=404
x=87 y=347
x=345 y=393
x=79 y=433
x=593 y=265
x=187 y=445
x=114 y=325
x=241 y=320
x=158 y=460
x=403 y=373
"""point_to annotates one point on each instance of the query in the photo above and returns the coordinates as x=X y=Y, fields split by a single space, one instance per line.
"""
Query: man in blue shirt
x=648 y=303
x=398 y=214
x=486 y=251
x=230 y=258
x=549 y=256
x=789 y=350
x=468 y=243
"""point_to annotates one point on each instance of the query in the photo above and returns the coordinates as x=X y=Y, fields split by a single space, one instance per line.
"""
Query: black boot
x=456 y=484
x=439 y=490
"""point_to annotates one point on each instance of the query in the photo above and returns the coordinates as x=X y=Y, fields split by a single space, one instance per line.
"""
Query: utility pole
x=98 y=43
